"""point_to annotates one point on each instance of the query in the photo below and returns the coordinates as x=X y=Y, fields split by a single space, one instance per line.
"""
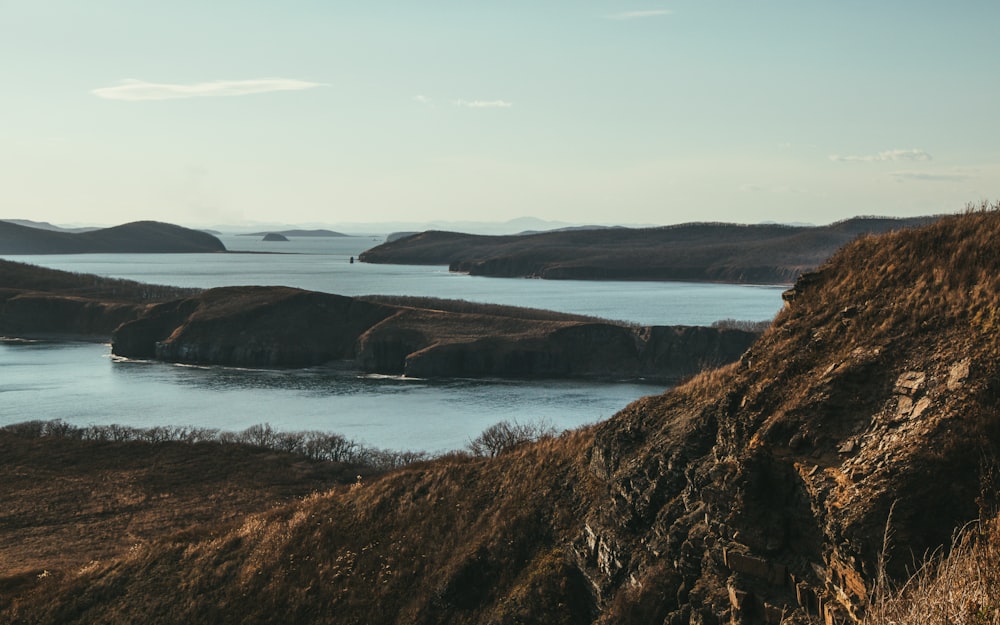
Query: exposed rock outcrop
x=250 y=326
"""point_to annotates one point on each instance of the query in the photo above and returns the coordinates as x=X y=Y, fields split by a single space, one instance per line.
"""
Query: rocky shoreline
x=284 y=327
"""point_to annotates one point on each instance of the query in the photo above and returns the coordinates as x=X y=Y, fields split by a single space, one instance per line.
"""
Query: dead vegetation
x=955 y=586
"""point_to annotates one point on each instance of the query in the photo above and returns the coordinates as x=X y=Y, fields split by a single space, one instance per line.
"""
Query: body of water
x=82 y=384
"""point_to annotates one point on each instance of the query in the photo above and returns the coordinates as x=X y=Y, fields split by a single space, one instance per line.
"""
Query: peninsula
x=699 y=252
x=286 y=327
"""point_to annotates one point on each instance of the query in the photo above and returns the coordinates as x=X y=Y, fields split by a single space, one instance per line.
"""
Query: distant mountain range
x=135 y=237
x=44 y=225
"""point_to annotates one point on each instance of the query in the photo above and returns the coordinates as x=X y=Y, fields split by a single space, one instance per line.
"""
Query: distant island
x=136 y=237
x=274 y=236
x=699 y=252
x=297 y=233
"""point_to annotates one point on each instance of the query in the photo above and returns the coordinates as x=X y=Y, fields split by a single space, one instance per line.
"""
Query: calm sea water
x=81 y=384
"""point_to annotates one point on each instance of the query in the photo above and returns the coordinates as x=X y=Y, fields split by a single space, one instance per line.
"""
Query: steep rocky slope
x=755 y=493
x=713 y=252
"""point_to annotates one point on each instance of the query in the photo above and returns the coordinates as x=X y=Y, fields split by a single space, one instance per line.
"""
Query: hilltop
x=712 y=252
x=760 y=492
x=135 y=237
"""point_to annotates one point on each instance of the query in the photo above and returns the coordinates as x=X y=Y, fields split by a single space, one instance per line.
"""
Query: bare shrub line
x=742 y=324
x=495 y=440
x=312 y=444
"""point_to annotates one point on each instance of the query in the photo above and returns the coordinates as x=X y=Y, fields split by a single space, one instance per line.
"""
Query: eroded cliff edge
x=285 y=327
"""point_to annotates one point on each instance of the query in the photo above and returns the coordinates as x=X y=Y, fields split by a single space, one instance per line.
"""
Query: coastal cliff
x=860 y=431
x=284 y=327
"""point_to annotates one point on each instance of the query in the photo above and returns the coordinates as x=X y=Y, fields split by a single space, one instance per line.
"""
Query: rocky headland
x=705 y=252
x=853 y=437
x=286 y=327
x=135 y=237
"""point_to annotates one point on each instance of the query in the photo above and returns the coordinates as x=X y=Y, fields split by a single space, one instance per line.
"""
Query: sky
x=585 y=111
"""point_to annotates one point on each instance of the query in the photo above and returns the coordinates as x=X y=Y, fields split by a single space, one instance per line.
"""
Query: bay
x=323 y=264
x=82 y=384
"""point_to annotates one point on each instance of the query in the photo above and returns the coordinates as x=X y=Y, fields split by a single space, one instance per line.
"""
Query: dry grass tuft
x=961 y=587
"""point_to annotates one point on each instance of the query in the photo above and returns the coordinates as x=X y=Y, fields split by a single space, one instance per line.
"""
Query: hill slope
x=763 y=254
x=754 y=492
x=135 y=237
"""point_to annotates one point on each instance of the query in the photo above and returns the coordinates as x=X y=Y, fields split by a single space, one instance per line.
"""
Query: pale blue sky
x=597 y=111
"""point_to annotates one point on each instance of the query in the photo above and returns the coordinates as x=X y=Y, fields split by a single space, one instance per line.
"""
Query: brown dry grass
x=68 y=504
x=960 y=587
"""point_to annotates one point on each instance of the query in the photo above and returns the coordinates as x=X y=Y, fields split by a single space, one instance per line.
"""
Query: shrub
x=504 y=436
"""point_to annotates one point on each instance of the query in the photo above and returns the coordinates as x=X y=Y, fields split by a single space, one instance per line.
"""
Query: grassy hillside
x=135 y=237
x=757 y=492
x=717 y=252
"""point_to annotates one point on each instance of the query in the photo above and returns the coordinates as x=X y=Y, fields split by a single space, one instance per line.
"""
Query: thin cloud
x=638 y=15
x=139 y=90
x=422 y=99
x=887 y=155
x=955 y=176
x=484 y=104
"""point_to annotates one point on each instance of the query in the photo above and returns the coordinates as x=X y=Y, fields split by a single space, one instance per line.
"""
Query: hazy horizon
x=580 y=113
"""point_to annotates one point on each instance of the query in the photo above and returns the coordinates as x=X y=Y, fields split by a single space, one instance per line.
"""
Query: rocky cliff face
x=768 y=486
x=250 y=326
x=269 y=326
